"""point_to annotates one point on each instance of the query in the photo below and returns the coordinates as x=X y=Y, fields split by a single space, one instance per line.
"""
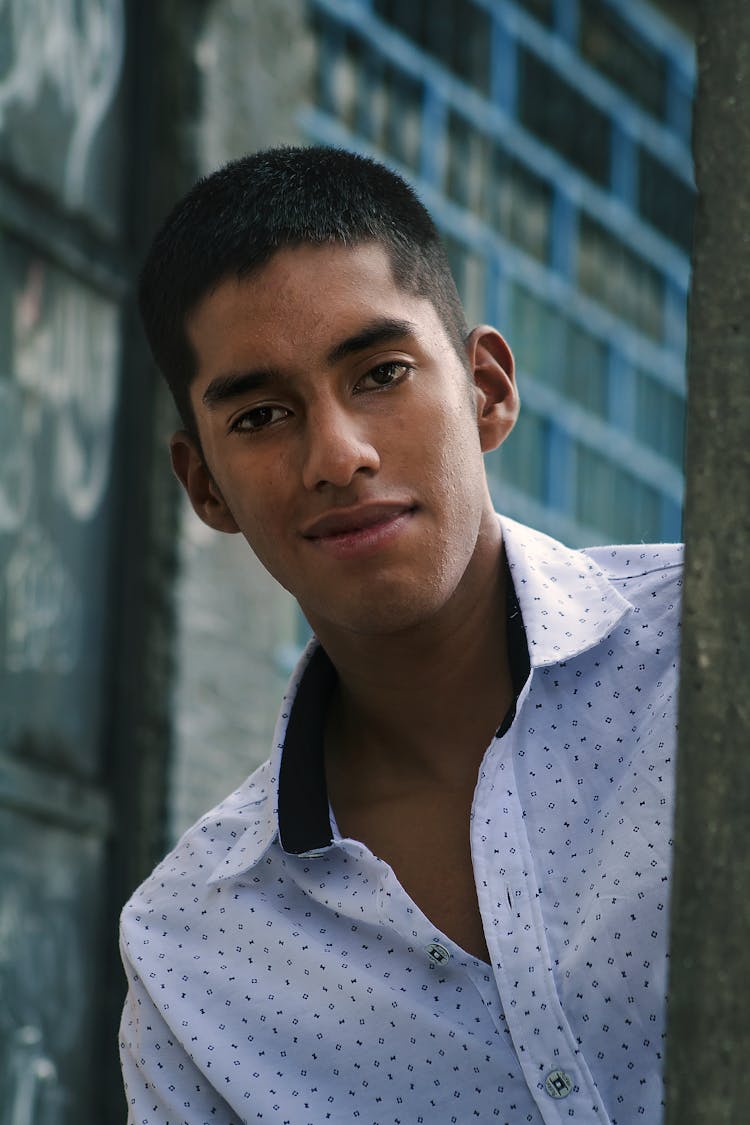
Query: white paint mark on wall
x=57 y=411
x=31 y=1078
x=65 y=363
x=40 y=979
x=77 y=49
x=42 y=607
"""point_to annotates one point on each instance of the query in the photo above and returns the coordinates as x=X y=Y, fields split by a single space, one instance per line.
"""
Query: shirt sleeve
x=162 y=1084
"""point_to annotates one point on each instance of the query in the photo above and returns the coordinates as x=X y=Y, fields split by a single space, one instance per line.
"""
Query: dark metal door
x=61 y=288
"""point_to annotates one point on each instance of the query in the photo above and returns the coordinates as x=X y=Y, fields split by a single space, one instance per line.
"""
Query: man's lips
x=361 y=532
x=348 y=521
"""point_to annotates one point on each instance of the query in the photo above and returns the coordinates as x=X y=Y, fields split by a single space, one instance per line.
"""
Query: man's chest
x=426 y=842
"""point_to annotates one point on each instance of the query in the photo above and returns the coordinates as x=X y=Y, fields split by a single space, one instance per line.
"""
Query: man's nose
x=337 y=448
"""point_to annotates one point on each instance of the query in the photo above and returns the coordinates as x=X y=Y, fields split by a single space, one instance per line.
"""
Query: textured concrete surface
x=709 y=1028
x=235 y=626
x=234 y=623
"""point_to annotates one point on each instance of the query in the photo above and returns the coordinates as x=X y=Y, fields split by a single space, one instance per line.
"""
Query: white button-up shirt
x=279 y=973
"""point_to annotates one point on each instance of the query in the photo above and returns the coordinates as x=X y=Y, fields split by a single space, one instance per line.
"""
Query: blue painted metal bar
x=504 y=68
x=675 y=318
x=496 y=303
x=559 y=468
x=620 y=391
x=330 y=47
x=433 y=141
x=624 y=166
x=371 y=73
x=566 y=20
x=678 y=110
x=671 y=520
x=564 y=238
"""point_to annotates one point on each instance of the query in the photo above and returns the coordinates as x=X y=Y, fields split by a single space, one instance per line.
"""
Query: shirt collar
x=567 y=602
x=567 y=606
x=294 y=770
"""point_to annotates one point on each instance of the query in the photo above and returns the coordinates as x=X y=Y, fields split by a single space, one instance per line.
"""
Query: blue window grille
x=550 y=141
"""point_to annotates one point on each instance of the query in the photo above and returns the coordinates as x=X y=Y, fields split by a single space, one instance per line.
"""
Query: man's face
x=343 y=435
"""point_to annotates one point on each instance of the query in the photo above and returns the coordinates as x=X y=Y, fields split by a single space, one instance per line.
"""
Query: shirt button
x=558 y=1084
x=437 y=953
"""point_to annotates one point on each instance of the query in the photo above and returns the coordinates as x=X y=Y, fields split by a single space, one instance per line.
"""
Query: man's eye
x=384 y=375
x=258 y=418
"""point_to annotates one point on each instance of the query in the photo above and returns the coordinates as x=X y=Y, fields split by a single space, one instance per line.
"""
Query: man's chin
x=379 y=615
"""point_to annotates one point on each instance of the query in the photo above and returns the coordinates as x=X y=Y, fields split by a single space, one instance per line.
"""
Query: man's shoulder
x=201 y=850
x=627 y=560
x=639 y=567
x=616 y=562
x=649 y=577
x=570 y=599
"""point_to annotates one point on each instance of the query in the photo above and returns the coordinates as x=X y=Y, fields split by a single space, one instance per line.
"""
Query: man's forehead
x=306 y=260
x=324 y=285
x=303 y=263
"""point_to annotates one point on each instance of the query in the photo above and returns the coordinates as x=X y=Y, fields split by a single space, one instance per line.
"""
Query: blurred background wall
x=142 y=657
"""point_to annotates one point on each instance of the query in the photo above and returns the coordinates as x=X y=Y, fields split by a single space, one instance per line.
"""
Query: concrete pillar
x=708 y=1072
x=235 y=626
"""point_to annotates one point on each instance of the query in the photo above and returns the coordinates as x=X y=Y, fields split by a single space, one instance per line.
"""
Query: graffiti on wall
x=44 y=945
x=61 y=136
x=57 y=409
x=74 y=51
x=58 y=401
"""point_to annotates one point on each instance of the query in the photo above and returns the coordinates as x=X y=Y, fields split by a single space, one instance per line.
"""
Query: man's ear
x=194 y=476
x=491 y=363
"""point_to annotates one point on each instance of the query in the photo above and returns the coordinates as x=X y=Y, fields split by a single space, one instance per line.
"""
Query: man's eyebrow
x=223 y=388
x=378 y=332
x=234 y=384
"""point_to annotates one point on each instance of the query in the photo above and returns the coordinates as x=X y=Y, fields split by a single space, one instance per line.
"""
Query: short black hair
x=233 y=221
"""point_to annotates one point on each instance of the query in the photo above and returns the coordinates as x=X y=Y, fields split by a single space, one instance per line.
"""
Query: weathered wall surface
x=235 y=624
x=256 y=59
x=707 y=1075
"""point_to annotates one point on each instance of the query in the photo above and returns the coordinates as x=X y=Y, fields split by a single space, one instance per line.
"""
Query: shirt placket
x=510 y=901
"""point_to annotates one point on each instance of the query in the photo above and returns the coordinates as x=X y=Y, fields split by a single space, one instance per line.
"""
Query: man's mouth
x=348 y=521
x=358 y=532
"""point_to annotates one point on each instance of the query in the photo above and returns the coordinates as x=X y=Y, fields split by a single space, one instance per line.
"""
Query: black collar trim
x=304 y=822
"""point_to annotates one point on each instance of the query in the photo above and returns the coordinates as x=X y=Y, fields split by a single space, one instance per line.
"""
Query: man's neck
x=420 y=708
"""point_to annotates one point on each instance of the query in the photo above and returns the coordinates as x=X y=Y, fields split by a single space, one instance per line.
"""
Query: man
x=443 y=899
